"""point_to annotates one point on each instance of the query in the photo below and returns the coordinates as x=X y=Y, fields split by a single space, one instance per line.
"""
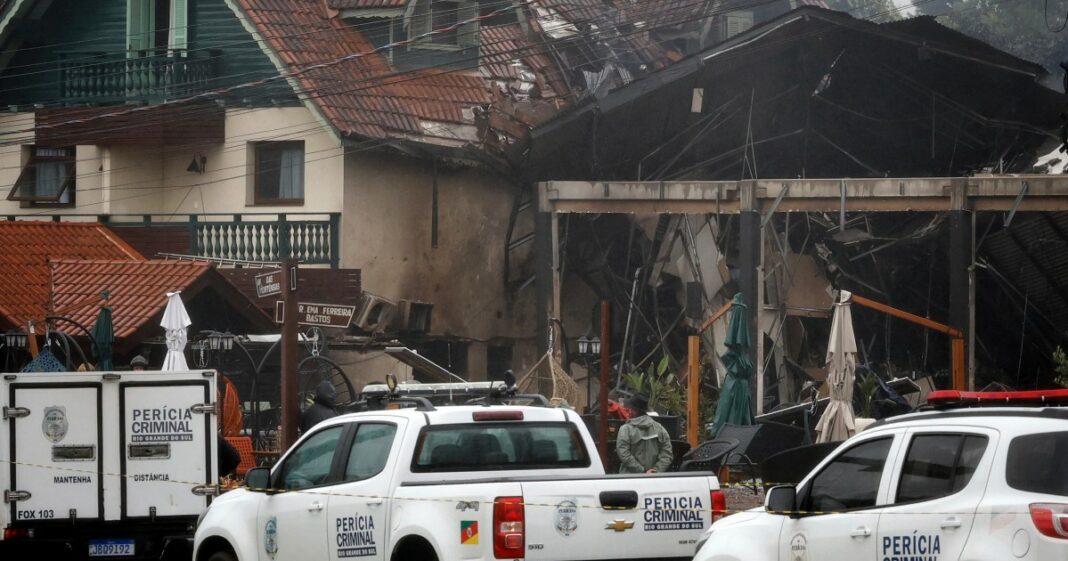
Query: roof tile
x=138 y=289
x=27 y=250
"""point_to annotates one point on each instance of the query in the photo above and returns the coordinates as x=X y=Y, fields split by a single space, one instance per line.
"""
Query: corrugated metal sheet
x=1033 y=255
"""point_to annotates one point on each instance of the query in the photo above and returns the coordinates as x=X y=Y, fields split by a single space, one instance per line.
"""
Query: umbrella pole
x=693 y=391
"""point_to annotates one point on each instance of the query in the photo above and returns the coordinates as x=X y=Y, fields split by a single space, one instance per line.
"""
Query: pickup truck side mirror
x=259 y=480
x=780 y=500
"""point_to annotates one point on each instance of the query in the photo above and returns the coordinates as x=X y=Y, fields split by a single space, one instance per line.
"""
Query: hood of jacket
x=645 y=423
x=325 y=394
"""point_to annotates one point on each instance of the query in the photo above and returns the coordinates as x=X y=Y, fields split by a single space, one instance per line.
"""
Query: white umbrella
x=175 y=321
x=836 y=423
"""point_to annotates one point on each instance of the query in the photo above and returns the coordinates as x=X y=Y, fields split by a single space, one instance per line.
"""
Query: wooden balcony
x=142 y=76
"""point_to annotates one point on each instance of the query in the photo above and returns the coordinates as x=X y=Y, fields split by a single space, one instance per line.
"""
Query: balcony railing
x=308 y=241
x=311 y=238
x=101 y=77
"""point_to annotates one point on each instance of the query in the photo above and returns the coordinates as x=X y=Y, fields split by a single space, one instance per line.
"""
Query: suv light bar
x=951 y=398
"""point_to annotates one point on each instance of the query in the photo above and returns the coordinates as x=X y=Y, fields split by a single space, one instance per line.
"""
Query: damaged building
x=413 y=133
x=801 y=157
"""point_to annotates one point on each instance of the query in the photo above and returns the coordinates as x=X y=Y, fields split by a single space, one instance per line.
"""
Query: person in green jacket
x=642 y=444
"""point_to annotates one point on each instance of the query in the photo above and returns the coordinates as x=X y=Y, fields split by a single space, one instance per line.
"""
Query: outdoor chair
x=709 y=455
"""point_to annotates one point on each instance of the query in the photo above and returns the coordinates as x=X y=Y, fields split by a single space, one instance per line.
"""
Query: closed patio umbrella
x=175 y=322
x=734 y=401
x=103 y=339
x=836 y=423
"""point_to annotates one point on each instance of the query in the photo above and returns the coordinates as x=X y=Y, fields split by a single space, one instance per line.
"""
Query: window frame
x=1022 y=439
x=257 y=199
x=899 y=469
x=25 y=180
x=805 y=501
x=420 y=442
x=419 y=20
x=351 y=443
x=333 y=475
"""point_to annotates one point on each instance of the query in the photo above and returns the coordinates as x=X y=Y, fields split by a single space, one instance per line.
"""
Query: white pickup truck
x=452 y=483
x=105 y=464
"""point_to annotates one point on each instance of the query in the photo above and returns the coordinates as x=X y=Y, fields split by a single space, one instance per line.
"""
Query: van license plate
x=111 y=548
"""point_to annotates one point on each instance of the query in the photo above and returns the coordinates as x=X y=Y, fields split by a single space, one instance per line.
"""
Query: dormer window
x=446 y=19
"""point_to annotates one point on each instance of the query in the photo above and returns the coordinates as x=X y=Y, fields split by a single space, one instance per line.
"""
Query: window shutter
x=139 y=21
x=179 y=32
x=467 y=33
x=420 y=20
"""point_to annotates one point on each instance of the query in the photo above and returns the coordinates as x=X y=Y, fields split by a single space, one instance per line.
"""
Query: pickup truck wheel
x=222 y=556
x=414 y=549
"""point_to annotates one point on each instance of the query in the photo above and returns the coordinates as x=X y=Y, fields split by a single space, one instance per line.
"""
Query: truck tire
x=414 y=549
x=222 y=556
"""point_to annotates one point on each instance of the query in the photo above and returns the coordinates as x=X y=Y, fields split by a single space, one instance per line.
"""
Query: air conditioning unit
x=375 y=313
x=413 y=316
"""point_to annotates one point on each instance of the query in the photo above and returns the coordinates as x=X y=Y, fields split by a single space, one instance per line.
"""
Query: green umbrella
x=104 y=337
x=734 y=407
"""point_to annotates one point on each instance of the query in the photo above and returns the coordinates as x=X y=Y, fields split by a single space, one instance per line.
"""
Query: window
x=156 y=26
x=938 y=465
x=279 y=173
x=47 y=179
x=851 y=480
x=1036 y=463
x=370 y=451
x=451 y=21
x=499 y=446
x=309 y=465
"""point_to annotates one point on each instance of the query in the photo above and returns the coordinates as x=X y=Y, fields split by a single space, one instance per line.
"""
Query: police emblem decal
x=54 y=426
x=270 y=537
x=799 y=548
x=566 y=517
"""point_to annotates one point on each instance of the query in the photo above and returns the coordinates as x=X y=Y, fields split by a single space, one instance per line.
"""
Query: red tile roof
x=362 y=96
x=518 y=84
x=138 y=289
x=24 y=257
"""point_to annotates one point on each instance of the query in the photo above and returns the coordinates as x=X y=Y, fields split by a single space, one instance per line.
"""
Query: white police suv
x=978 y=476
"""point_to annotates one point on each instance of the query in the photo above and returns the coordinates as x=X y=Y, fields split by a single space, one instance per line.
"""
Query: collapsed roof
x=813 y=93
x=364 y=66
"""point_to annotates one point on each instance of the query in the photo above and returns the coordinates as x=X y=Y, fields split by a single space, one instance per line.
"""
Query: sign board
x=325 y=315
x=268 y=284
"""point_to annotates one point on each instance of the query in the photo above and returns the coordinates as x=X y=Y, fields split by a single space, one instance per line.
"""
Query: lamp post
x=588 y=348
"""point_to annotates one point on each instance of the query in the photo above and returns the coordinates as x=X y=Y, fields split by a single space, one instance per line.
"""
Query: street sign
x=268 y=284
x=325 y=315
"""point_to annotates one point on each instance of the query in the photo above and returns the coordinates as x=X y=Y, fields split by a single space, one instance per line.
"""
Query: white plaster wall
x=11 y=156
x=386 y=232
x=226 y=184
x=122 y=179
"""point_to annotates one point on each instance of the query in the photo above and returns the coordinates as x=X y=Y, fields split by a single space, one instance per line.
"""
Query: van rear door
x=56 y=452
x=167 y=447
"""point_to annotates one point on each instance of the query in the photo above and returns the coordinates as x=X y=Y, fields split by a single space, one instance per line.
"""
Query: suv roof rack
x=953 y=399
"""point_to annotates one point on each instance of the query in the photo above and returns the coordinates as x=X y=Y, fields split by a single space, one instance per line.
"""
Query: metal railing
x=311 y=238
x=92 y=76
